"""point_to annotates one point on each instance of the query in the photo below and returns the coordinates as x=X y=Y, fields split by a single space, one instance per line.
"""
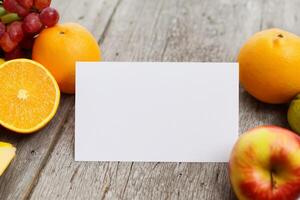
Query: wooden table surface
x=145 y=30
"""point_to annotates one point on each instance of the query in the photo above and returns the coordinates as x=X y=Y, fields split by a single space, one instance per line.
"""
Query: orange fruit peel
x=29 y=96
x=59 y=48
x=269 y=66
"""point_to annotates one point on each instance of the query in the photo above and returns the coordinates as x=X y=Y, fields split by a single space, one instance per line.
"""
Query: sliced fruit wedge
x=7 y=153
x=29 y=96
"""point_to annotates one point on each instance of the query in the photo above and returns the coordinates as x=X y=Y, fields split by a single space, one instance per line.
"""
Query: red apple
x=265 y=165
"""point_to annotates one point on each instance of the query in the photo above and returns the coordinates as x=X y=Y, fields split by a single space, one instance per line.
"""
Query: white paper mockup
x=167 y=112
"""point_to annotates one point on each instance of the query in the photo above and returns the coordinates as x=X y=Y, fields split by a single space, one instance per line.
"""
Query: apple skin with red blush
x=265 y=165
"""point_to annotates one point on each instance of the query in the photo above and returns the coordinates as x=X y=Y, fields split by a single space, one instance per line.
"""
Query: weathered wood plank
x=33 y=150
x=158 y=30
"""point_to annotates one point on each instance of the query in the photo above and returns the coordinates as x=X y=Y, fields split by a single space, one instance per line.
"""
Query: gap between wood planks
x=47 y=156
x=102 y=37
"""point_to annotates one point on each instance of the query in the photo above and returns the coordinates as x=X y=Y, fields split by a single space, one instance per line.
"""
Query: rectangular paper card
x=167 y=112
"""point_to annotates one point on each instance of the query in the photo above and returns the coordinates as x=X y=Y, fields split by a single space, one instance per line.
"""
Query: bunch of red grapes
x=20 y=23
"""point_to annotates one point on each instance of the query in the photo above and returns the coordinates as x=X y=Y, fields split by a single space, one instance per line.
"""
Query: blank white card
x=164 y=112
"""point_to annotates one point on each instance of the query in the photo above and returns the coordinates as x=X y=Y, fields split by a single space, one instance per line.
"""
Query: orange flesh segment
x=29 y=96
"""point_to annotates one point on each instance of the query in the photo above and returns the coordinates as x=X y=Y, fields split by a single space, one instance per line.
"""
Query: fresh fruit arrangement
x=30 y=89
x=265 y=162
x=20 y=23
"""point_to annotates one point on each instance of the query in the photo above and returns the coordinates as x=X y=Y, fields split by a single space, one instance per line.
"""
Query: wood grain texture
x=157 y=30
x=33 y=151
x=146 y=30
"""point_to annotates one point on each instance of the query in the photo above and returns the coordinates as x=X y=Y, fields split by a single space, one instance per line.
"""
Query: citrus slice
x=7 y=153
x=29 y=96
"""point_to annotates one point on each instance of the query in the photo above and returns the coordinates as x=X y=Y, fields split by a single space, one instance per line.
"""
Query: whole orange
x=60 y=47
x=270 y=66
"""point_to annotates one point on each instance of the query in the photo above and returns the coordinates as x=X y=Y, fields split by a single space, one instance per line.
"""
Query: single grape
x=10 y=5
x=49 y=16
x=41 y=4
x=7 y=44
x=15 y=31
x=2 y=29
x=32 y=23
x=26 y=3
x=9 y=18
x=14 y=54
x=2 y=11
x=14 y=7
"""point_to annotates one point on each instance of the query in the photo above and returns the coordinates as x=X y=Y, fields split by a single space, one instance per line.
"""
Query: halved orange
x=29 y=96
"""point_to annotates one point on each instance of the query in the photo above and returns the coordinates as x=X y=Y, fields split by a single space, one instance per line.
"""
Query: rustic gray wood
x=33 y=151
x=154 y=31
x=146 y=30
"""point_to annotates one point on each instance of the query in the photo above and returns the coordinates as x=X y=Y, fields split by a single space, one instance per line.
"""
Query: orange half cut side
x=29 y=96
